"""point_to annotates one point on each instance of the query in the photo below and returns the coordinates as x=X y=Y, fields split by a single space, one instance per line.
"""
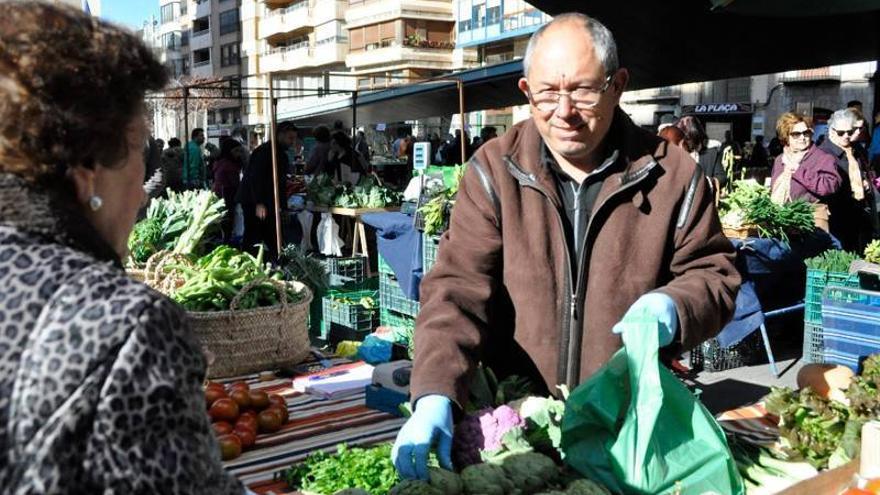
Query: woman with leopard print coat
x=100 y=377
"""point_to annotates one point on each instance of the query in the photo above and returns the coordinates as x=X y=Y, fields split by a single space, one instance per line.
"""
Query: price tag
x=421 y=156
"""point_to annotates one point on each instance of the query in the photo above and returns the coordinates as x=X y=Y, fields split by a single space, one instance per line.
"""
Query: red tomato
x=230 y=446
x=242 y=398
x=281 y=411
x=249 y=422
x=269 y=420
x=213 y=394
x=239 y=386
x=246 y=435
x=277 y=400
x=212 y=385
x=222 y=428
x=259 y=399
x=224 y=410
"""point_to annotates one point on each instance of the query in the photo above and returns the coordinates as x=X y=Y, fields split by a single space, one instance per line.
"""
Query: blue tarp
x=400 y=244
x=774 y=276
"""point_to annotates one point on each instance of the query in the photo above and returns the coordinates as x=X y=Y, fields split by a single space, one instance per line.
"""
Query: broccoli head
x=414 y=487
x=486 y=479
x=446 y=482
x=352 y=491
x=530 y=472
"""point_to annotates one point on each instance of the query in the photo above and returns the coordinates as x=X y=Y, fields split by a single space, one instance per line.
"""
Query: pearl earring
x=95 y=203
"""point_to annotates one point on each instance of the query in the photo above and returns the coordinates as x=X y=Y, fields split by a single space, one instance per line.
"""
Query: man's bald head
x=603 y=40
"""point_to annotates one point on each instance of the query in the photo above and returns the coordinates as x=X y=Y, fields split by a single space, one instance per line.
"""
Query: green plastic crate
x=403 y=327
x=346 y=270
x=430 y=249
x=814 y=343
x=384 y=267
x=817 y=280
x=351 y=315
x=392 y=297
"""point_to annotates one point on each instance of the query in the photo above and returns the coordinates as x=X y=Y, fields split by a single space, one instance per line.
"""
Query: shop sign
x=717 y=108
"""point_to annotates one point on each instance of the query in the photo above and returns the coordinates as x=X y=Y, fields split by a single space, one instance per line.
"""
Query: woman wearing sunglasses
x=803 y=171
x=852 y=208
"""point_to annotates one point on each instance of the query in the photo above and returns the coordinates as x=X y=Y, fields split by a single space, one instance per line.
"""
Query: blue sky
x=129 y=12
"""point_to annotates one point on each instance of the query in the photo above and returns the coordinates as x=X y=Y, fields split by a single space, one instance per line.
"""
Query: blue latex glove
x=659 y=306
x=430 y=424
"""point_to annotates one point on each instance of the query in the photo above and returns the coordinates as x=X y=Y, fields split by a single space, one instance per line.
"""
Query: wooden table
x=358 y=241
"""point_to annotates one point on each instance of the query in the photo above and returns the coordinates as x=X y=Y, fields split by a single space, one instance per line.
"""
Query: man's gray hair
x=603 y=40
x=845 y=116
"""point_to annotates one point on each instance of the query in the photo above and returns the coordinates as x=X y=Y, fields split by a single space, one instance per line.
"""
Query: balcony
x=330 y=51
x=287 y=58
x=289 y=20
x=200 y=39
x=203 y=69
x=203 y=8
x=366 y=13
x=326 y=11
x=392 y=55
x=822 y=74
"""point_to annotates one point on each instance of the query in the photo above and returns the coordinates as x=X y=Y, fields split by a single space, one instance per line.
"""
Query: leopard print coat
x=100 y=377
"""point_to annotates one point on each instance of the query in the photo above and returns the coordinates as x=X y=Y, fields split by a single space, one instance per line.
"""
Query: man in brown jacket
x=562 y=226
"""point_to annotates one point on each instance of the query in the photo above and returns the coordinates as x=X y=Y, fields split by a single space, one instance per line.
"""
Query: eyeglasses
x=850 y=132
x=799 y=134
x=580 y=98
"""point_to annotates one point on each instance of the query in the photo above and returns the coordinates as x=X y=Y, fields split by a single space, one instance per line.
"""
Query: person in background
x=774 y=148
x=476 y=142
x=672 y=134
x=227 y=177
x=100 y=376
x=194 y=164
x=319 y=160
x=572 y=221
x=362 y=147
x=349 y=166
x=759 y=157
x=396 y=145
x=803 y=171
x=160 y=144
x=488 y=133
x=696 y=143
x=853 y=214
x=435 y=147
x=172 y=165
x=241 y=135
x=861 y=138
x=453 y=152
x=855 y=104
x=257 y=196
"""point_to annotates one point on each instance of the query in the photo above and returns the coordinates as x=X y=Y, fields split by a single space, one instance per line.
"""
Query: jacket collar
x=832 y=149
x=51 y=215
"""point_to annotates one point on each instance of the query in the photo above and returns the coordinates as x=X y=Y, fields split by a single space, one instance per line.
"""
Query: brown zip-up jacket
x=502 y=293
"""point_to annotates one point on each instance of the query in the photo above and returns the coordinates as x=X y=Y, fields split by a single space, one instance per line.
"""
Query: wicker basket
x=248 y=341
x=137 y=274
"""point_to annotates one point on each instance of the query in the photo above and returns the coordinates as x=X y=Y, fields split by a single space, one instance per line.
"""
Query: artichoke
x=530 y=472
x=586 y=487
x=487 y=479
x=414 y=487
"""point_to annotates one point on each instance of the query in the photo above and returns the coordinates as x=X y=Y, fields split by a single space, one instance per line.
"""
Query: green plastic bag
x=635 y=428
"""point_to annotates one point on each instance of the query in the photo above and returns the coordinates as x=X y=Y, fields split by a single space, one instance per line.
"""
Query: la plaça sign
x=718 y=108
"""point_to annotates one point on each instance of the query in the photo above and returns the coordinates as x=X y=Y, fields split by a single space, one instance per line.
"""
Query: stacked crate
x=350 y=315
x=817 y=281
x=340 y=271
x=398 y=312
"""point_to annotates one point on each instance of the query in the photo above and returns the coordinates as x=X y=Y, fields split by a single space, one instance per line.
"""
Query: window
x=167 y=13
x=493 y=15
x=171 y=41
x=183 y=7
x=184 y=38
x=201 y=57
x=228 y=21
x=229 y=55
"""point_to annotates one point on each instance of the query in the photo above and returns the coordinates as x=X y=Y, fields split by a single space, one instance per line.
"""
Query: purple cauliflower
x=482 y=431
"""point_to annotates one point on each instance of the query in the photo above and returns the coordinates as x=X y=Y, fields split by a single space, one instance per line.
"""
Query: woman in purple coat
x=803 y=171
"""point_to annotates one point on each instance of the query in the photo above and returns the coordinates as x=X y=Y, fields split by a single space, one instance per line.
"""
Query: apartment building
x=499 y=31
x=201 y=42
x=750 y=106
x=398 y=41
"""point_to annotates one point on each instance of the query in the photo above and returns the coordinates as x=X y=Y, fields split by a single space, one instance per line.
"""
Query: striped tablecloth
x=315 y=424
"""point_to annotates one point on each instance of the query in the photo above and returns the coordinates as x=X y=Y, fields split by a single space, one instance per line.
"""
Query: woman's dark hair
x=695 y=138
x=174 y=143
x=227 y=146
x=322 y=134
x=70 y=86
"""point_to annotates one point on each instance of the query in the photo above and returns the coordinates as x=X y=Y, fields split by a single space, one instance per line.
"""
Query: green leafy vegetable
x=872 y=252
x=370 y=469
x=832 y=261
x=749 y=204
